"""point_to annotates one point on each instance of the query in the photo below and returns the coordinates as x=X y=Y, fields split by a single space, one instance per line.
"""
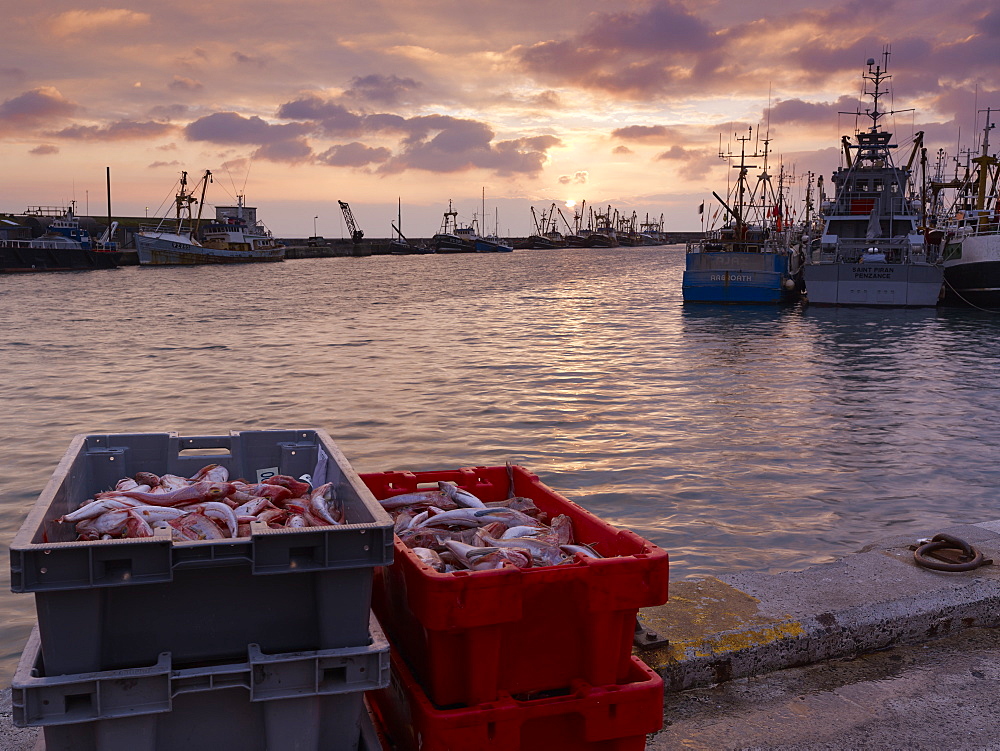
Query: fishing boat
x=970 y=234
x=399 y=244
x=451 y=238
x=573 y=237
x=455 y=238
x=546 y=236
x=751 y=257
x=602 y=233
x=871 y=251
x=489 y=243
x=492 y=244
x=65 y=246
x=234 y=236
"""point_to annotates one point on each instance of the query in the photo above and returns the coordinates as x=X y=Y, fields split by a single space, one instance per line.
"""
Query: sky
x=400 y=107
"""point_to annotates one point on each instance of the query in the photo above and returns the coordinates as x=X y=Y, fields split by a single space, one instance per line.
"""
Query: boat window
x=861 y=185
x=879 y=186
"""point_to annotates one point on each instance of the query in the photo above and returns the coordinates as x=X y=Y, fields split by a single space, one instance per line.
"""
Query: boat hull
x=538 y=242
x=489 y=246
x=602 y=241
x=449 y=248
x=874 y=284
x=18 y=258
x=154 y=250
x=719 y=277
x=972 y=272
x=445 y=242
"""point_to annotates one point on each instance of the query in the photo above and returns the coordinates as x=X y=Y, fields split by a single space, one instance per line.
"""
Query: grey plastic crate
x=303 y=700
x=112 y=604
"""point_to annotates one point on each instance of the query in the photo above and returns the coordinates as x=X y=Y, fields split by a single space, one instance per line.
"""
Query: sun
x=570 y=203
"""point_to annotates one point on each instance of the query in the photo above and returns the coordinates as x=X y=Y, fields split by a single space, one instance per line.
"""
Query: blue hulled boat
x=751 y=258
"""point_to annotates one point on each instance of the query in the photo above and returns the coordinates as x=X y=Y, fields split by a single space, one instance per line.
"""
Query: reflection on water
x=735 y=437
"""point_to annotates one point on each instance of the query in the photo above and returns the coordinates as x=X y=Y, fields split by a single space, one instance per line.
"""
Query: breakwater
x=302 y=247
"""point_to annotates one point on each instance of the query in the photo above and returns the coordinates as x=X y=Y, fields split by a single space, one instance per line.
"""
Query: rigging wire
x=168 y=198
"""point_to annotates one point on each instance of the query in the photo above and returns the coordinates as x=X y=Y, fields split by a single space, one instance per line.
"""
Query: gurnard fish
x=320 y=505
x=211 y=473
x=421 y=498
x=206 y=506
x=495 y=534
x=198 y=492
x=543 y=553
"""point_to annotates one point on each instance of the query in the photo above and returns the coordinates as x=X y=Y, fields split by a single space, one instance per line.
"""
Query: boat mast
x=737 y=211
x=182 y=204
x=204 y=185
x=984 y=161
x=108 y=176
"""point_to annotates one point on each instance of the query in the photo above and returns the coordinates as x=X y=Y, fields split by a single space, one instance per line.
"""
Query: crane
x=352 y=226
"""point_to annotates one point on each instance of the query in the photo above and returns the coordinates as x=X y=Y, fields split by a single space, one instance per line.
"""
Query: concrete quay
x=870 y=651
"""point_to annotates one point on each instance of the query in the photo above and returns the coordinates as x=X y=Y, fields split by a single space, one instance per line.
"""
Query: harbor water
x=761 y=438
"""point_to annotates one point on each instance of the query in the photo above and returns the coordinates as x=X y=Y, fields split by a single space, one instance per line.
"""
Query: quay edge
x=748 y=624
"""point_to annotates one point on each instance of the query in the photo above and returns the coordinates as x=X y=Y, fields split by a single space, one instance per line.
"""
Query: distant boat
x=455 y=238
x=65 y=246
x=541 y=242
x=545 y=236
x=871 y=251
x=970 y=234
x=451 y=238
x=750 y=259
x=573 y=238
x=234 y=236
x=399 y=245
x=602 y=234
x=492 y=244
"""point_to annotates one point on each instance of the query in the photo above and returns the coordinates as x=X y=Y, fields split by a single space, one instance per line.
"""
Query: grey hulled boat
x=235 y=236
x=872 y=251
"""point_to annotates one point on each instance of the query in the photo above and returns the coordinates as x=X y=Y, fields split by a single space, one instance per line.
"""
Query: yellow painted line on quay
x=709 y=618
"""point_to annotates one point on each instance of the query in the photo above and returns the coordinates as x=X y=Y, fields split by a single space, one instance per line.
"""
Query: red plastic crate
x=470 y=636
x=586 y=718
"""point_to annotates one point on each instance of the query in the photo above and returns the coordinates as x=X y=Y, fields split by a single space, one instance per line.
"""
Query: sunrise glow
x=426 y=102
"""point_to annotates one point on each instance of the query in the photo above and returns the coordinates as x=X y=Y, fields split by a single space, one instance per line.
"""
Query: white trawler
x=234 y=236
x=872 y=251
x=970 y=233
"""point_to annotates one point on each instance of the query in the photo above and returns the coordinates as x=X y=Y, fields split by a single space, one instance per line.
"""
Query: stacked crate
x=518 y=659
x=264 y=642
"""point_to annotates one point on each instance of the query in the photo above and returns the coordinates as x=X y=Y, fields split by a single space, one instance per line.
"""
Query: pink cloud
x=292 y=151
x=649 y=133
x=180 y=83
x=123 y=130
x=385 y=89
x=233 y=128
x=333 y=118
x=33 y=108
x=354 y=155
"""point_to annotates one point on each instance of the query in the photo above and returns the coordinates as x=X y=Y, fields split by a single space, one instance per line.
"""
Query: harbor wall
x=301 y=247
